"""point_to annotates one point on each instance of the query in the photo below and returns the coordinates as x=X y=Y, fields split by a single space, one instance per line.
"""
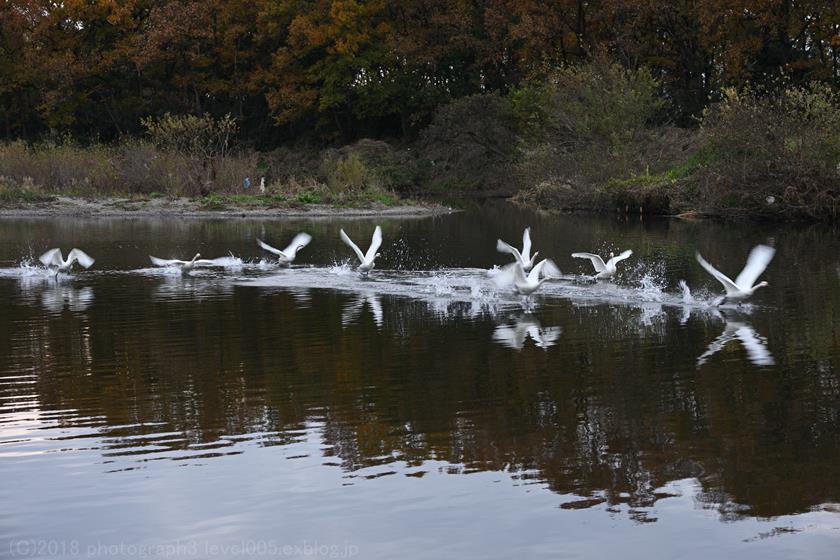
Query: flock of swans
x=524 y=275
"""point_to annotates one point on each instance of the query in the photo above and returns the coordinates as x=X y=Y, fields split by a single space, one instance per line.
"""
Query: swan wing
x=52 y=258
x=727 y=282
x=597 y=261
x=165 y=262
x=526 y=244
x=503 y=247
x=546 y=267
x=349 y=243
x=270 y=249
x=757 y=262
x=755 y=346
x=83 y=258
x=505 y=276
x=375 y=244
x=301 y=239
x=716 y=346
x=620 y=257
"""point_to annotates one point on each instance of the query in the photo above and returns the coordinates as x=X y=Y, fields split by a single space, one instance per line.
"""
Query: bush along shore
x=587 y=137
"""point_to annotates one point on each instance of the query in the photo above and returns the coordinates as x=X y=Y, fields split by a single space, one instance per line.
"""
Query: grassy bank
x=591 y=137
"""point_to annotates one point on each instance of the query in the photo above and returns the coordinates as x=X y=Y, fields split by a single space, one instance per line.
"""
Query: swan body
x=514 y=274
x=53 y=259
x=287 y=256
x=744 y=285
x=185 y=266
x=525 y=258
x=604 y=269
x=366 y=260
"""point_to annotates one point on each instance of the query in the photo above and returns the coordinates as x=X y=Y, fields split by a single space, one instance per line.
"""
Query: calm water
x=418 y=413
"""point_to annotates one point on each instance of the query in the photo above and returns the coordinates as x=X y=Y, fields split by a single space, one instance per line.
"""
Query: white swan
x=742 y=287
x=185 y=266
x=514 y=275
x=604 y=269
x=287 y=256
x=524 y=258
x=366 y=260
x=54 y=260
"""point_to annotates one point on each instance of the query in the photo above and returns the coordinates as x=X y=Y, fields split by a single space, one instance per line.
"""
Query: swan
x=602 y=269
x=54 y=260
x=524 y=258
x=287 y=256
x=742 y=287
x=185 y=266
x=514 y=274
x=366 y=260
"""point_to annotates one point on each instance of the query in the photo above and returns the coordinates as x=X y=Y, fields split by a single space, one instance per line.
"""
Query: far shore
x=63 y=206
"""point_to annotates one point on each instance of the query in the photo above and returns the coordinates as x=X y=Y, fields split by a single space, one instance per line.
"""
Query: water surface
x=420 y=412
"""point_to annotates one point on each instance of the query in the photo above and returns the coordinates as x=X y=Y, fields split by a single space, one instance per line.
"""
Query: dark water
x=250 y=411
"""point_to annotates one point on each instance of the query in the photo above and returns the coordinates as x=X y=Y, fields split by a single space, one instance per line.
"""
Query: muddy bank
x=189 y=208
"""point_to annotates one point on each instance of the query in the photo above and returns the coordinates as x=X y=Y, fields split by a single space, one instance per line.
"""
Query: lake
x=420 y=412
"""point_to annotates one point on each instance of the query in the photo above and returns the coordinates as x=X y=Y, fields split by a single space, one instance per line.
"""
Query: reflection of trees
x=616 y=408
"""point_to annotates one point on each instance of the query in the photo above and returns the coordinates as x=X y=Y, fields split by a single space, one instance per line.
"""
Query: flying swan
x=287 y=256
x=602 y=269
x=366 y=260
x=514 y=274
x=185 y=266
x=53 y=260
x=524 y=258
x=743 y=286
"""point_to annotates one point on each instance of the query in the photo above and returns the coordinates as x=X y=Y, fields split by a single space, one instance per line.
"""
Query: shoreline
x=111 y=207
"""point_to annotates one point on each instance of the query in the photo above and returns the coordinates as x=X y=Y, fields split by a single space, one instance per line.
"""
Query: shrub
x=777 y=154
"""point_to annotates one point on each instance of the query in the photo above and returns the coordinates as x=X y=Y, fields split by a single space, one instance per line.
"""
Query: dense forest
x=328 y=73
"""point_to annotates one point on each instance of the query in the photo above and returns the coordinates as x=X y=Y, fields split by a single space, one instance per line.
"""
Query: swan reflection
x=353 y=311
x=62 y=296
x=526 y=326
x=753 y=343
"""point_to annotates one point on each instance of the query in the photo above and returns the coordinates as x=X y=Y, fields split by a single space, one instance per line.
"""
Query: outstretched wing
x=620 y=257
x=270 y=249
x=546 y=267
x=164 y=262
x=757 y=262
x=526 y=244
x=51 y=258
x=727 y=282
x=83 y=258
x=375 y=244
x=300 y=240
x=352 y=245
x=597 y=261
x=504 y=278
x=503 y=247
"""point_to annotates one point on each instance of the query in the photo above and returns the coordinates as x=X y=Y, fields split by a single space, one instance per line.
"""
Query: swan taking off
x=53 y=259
x=742 y=287
x=514 y=274
x=602 y=269
x=185 y=266
x=287 y=256
x=366 y=260
x=524 y=258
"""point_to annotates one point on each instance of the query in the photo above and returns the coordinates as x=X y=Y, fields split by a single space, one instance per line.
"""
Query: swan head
x=612 y=254
x=761 y=285
x=376 y=256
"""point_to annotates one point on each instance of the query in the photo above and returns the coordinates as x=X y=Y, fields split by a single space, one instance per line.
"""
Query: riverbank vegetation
x=632 y=105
